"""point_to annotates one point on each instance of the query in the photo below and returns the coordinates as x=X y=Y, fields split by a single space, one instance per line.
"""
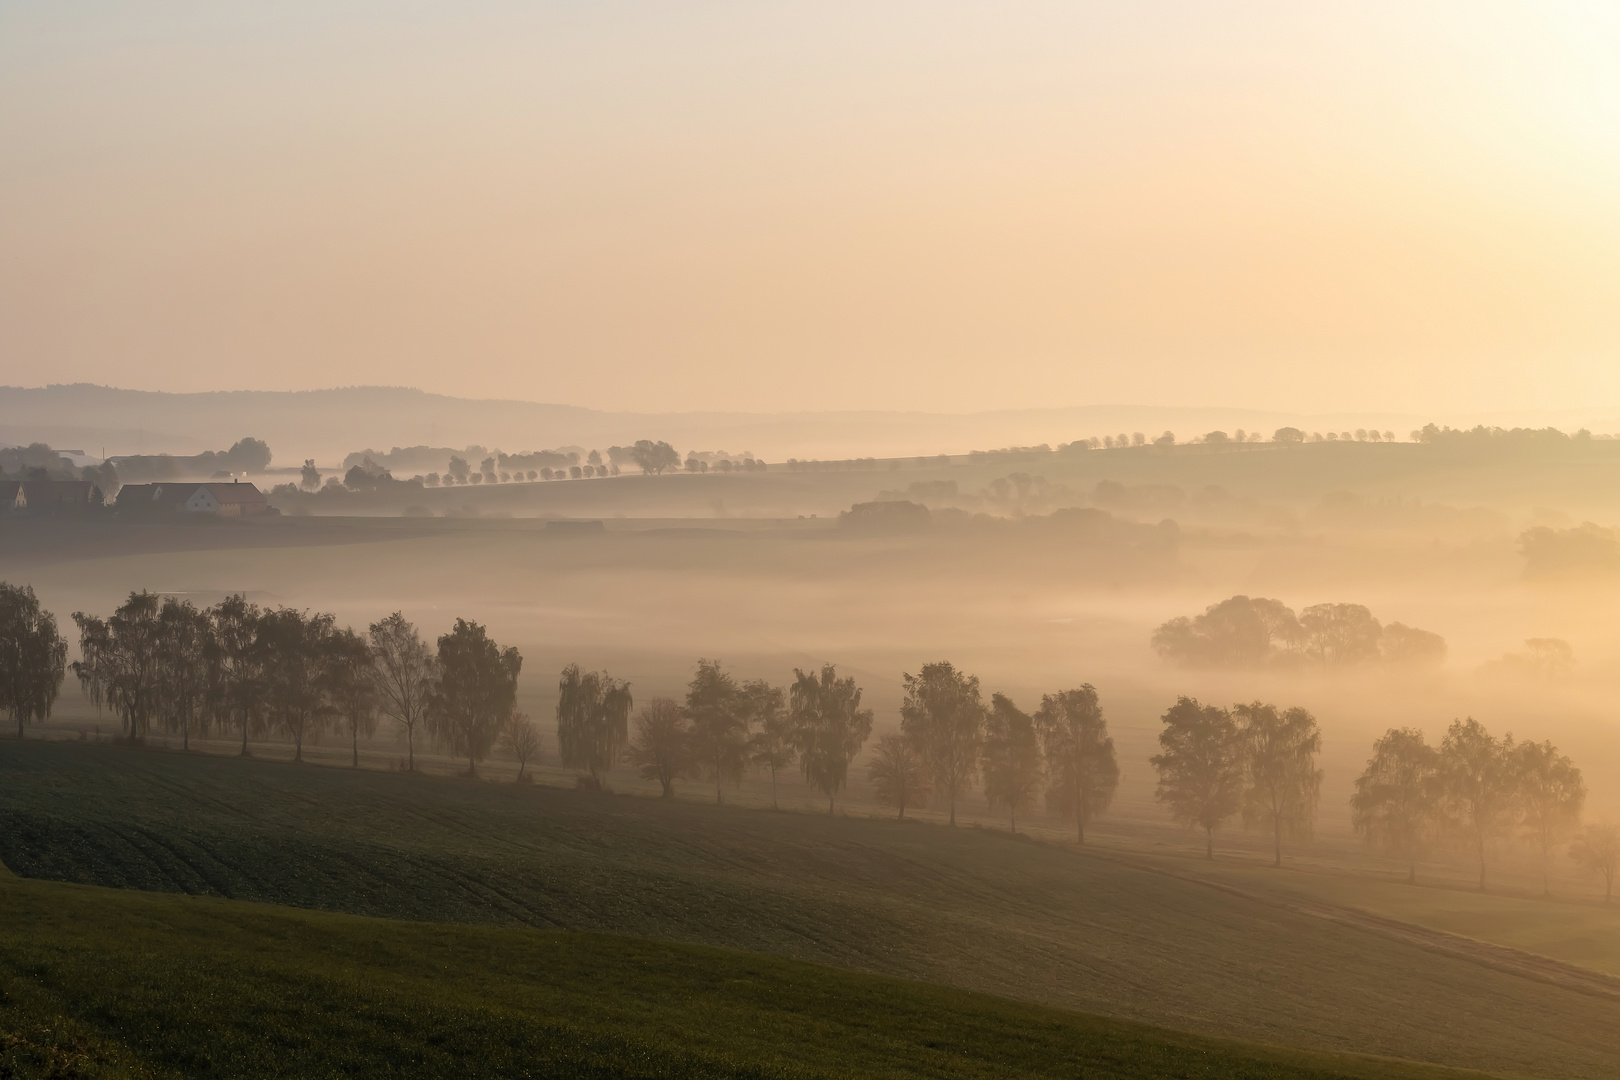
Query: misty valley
x=1116 y=726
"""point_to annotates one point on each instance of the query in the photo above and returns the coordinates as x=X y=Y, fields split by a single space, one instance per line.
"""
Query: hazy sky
x=936 y=205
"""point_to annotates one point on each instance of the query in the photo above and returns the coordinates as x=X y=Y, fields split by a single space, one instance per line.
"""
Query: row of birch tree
x=234 y=669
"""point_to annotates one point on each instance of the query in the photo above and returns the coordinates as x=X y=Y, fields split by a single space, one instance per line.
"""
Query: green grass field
x=973 y=909
x=1585 y=934
x=98 y=982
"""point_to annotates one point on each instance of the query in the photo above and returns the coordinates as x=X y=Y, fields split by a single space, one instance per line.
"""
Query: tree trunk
x=298 y=747
x=1546 y=883
x=1277 y=840
x=410 y=749
x=829 y=805
x=472 y=768
x=1482 y=863
x=244 y=735
x=953 y=811
x=773 y=789
x=355 y=732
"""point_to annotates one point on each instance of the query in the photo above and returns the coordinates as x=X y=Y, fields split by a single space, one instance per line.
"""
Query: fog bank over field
x=328 y=424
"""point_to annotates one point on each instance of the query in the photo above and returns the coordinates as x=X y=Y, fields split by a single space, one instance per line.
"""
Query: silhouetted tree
x=33 y=657
x=292 y=647
x=350 y=677
x=184 y=634
x=236 y=673
x=829 y=727
x=771 y=745
x=593 y=717
x=1551 y=794
x=1200 y=767
x=1596 y=849
x=1339 y=633
x=718 y=716
x=1081 y=769
x=120 y=662
x=248 y=455
x=1479 y=785
x=1402 y=644
x=458 y=469
x=654 y=457
x=1011 y=758
x=309 y=478
x=520 y=740
x=406 y=673
x=1288 y=435
x=1394 y=802
x=476 y=692
x=661 y=748
x=944 y=718
x=896 y=773
x=1237 y=632
x=1281 y=781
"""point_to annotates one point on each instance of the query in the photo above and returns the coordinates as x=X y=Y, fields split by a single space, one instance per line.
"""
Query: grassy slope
x=1583 y=934
x=966 y=908
x=122 y=983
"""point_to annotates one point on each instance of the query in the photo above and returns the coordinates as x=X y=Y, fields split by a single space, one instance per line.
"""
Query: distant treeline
x=1585 y=549
x=245 y=456
x=37 y=461
x=1245 y=632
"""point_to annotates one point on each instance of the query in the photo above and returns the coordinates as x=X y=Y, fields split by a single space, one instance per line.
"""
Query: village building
x=47 y=496
x=234 y=499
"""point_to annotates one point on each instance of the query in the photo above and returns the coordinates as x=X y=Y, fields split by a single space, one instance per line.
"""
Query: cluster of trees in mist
x=720 y=728
x=245 y=456
x=1253 y=632
x=160 y=663
x=949 y=738
x=37 y=461
x=1472 y=790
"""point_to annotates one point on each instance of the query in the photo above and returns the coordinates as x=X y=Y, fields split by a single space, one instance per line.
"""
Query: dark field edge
x=99 y=982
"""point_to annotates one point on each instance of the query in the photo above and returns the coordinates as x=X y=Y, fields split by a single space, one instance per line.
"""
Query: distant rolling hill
x=327 y=424
x=972 y=909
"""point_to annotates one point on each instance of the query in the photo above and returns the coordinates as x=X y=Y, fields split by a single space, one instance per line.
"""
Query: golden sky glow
x=943 y=206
